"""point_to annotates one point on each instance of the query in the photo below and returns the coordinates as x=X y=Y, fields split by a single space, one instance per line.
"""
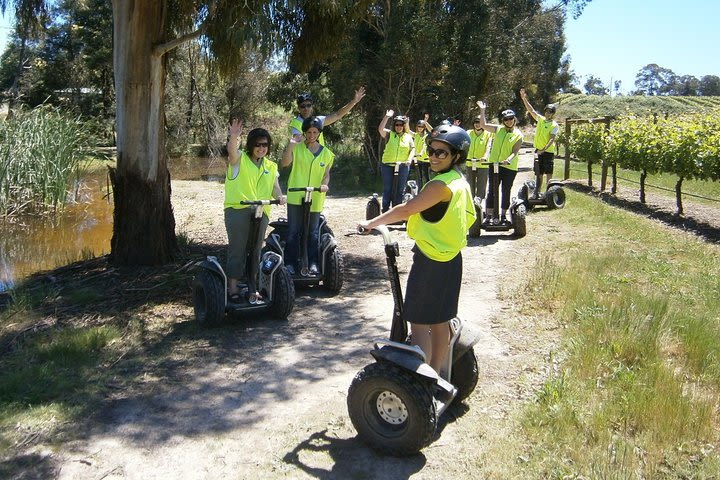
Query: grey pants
x=240 y=247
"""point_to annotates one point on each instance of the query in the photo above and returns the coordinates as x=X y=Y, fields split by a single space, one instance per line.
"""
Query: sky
x=614 y=39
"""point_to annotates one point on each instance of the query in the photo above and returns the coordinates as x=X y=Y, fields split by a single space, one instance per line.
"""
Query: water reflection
x=83 y=229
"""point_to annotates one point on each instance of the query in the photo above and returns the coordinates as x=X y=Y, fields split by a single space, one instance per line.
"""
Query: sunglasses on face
x=261 y=145
x=305 y=105
x=437 y=152
x=399 y=124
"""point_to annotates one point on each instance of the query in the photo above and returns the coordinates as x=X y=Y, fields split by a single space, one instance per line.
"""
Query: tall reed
x=40 y=153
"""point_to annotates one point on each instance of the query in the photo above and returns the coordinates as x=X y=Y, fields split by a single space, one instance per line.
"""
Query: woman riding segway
x=438 y=219
x=250 y=176
x=504 y=150
x=311 y=164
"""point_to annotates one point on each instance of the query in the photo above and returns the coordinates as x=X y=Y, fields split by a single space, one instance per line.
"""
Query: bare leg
x=421 y=338
x=440 y=337
x=548 y=176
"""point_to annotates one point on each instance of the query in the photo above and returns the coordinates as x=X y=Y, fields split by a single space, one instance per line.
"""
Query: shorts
x=545 y=163
x=433 y=289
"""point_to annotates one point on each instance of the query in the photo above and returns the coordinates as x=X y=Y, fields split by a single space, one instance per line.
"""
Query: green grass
x=51 y=378
x=636 y=396
x=630 y=179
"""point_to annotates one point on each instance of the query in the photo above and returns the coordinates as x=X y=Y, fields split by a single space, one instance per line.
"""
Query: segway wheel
x=465 y=375
x=333 y=274
x=392 y=410
x=518 y=220
x=555 y=197
x=475 y=229
x=372 y=209
x=523 y=193
x=208 y=292
x=283 y=294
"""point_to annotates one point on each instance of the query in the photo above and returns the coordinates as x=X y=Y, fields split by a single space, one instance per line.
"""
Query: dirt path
x=260 y=398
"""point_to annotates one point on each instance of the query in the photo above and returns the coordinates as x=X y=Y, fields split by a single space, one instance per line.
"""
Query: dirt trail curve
x=260 y=398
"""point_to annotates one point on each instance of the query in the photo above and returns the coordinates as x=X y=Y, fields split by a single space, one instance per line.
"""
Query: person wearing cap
x=400 y=148
x=422 y=127
x=504 y=150
x=250 y=175
x=545 y=134
x=305 y=110
x=480 y=141
x=438 y=219
x=311 y=164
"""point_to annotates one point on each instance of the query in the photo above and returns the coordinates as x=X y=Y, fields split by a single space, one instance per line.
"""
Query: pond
x=83 y=229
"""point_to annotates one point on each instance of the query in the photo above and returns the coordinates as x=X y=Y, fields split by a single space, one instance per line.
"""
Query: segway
x=554 y=196
x=372 y=209
x=210 y=298
x=475 y=229
x=517 y=209
x=395 y=403
x=330 y=268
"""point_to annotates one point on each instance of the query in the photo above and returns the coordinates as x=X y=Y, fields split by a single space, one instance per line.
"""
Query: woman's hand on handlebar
x=362 y=227
x=282 y=199
x=324 y=188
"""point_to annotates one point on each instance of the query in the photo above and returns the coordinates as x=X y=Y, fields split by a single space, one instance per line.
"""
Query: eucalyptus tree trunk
x=144 y=225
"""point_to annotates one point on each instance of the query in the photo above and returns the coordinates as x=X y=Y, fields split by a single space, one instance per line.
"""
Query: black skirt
x=433 y=289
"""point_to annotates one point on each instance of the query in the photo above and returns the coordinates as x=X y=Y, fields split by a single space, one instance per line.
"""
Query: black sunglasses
x=440 y=153
x=261 y=145
x=399 y=124
x=305 y=105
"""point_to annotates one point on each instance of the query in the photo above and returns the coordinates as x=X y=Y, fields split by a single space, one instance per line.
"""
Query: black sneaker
x=505 y=222
x=291 y=270
x=313 y=269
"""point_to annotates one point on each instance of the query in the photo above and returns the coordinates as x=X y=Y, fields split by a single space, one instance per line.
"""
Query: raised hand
x=235 y=127
x=359 y=94
x=390 y=113
x=523 y=95
x=481 y=104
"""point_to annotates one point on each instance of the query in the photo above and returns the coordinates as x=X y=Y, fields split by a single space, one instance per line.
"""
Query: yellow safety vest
x=443 y=240
x=296 y=123
x=397 y=148
x=502 y=147
x=251 y=183
x=421 y=147
x=478 y=145
x=309 y=170
x=543 y=131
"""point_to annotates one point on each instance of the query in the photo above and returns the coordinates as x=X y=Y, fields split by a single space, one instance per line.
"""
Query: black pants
x=506 y=179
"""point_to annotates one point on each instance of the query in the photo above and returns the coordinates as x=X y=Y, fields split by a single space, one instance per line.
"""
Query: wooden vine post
x=568 y=131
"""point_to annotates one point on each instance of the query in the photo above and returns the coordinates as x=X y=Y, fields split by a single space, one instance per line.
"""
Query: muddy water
x=83 y=229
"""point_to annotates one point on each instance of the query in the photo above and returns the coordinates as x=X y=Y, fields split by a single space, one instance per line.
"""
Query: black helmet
x=507 y=114
x=400 y=118
x=312 y=122
x=304 y=97
x=453 y=135
x=550 y=107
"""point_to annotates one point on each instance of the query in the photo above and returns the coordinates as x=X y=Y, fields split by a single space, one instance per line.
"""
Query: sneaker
x=291 y=270
x=313 y=269
x=505 y=222
x=487 y=222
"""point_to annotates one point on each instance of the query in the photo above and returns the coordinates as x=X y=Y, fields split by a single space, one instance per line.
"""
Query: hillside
x=588 y=106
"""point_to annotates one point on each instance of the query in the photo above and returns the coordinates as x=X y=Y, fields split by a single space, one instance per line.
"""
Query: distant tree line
x=653 y=79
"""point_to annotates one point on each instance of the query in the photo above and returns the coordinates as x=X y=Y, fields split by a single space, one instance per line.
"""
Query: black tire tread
x=465 y=375
x=208 y=285
x=413 y=441
x=333 y=274
x=283 y=300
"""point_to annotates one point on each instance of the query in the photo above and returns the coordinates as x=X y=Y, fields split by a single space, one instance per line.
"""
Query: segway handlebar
x=380 y=228
x=304 y=189
x=274 y=201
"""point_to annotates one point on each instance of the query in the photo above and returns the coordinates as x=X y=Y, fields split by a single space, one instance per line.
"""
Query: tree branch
x=163 y=48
